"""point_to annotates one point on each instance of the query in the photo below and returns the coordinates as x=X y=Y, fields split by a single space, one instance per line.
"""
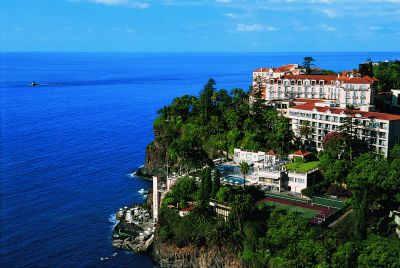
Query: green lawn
x=302 y=167
x=303 y=212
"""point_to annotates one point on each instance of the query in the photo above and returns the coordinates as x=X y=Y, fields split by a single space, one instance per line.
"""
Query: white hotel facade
x=343 y=90
x=380 y=130
x=322 y=100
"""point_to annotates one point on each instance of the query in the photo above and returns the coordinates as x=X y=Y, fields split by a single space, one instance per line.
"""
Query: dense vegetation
x=263 y=238
x=196 y=129
x=388 y=75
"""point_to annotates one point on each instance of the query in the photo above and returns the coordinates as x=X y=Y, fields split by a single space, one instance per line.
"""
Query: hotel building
x=322 y=100
x=380 y=130
x=287 y=82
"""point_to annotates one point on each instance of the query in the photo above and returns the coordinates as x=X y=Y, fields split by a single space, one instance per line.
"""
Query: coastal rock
x=154 y=161
x=168 y=256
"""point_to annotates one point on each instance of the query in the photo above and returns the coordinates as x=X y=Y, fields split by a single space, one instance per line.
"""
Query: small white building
x=258 y=159
x=273 y=180
x=299 y=181
x=286 y=180
x=186 y=211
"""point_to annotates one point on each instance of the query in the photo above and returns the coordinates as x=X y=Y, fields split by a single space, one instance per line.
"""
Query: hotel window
x=299 y=82
x=248 y=156
x=300 y=180
x=313 y=82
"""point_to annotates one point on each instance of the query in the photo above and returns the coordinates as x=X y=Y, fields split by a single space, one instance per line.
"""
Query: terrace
x=302 y=167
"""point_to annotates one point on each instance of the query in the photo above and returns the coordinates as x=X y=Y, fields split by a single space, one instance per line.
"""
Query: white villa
x=283 y=180
x=258 y=159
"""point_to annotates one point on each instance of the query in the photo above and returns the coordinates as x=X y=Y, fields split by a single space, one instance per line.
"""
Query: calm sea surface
x=67 y=147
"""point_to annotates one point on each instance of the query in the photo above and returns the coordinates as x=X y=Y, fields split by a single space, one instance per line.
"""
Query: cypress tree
x=216 y=184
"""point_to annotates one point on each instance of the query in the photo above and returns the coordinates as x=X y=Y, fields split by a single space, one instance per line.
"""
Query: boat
x=34 y=84
x=114 y=255
x=104 y=258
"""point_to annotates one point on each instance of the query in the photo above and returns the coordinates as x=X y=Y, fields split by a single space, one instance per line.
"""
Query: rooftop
x=302 y=167
x=301 y=153
x=353 y=113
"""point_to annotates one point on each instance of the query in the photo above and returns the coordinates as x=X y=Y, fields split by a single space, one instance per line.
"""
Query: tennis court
x=308 y=211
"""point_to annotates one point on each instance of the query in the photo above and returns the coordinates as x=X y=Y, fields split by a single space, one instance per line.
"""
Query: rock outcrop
x=155 y=160
x=168 y=256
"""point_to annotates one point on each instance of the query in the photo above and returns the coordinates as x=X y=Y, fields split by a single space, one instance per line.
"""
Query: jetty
x=135 y=229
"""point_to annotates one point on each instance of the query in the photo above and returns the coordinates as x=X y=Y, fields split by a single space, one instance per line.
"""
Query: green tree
x=206 y=185
x=346 y=255
x=305 y=130
x=183 y=190
x=307 y=63
x=216 y=184
x=380 y=252
x=244 y=168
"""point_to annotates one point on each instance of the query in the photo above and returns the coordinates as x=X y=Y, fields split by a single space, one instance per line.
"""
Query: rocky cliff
x=168 y=256
x=155 y=160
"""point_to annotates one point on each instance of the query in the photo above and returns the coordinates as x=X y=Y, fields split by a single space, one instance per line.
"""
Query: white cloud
x=254 y=28
x=249 y=27
x=20 y=29
x=270 y=29
x=321 y=1
x=126 y=3
x=123 y=30
x=300 y=28
x=328 y=28
x=331 y=13
x=231 y=15
x=374 y=28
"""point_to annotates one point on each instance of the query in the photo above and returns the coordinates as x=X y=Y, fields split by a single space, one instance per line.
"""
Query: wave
x=143 y=191
x=113 y=219
x=132 y=175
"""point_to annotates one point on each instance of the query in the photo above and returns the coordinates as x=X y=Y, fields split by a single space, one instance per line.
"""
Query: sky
x=200 y=26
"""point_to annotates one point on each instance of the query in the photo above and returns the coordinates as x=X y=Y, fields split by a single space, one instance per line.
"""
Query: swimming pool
x=235 y=180
x=229 y=169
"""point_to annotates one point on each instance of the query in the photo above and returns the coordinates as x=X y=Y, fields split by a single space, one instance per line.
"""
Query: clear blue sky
x=191 y=25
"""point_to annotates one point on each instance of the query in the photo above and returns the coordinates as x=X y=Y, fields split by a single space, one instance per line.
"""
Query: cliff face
x=168 y=256
x=155 y=160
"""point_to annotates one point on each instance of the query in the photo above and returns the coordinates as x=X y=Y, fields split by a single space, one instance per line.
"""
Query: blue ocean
x=68 y=147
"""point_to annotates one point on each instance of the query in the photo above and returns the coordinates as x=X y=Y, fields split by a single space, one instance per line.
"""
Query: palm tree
x=305 y=130
x=244 y=168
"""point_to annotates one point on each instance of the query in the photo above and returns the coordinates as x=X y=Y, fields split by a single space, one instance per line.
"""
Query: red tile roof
x=189 y=208
x=271 y=152
x=301 y=153
x=359 y=80
x=308 y=100
x=262 y=69
x=382 y=116
x=317 y=77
